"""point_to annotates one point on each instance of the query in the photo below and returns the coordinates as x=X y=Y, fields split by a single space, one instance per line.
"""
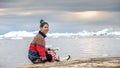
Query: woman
x=37 y=50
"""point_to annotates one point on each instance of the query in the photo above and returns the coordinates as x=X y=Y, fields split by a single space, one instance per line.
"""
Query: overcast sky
x=62 y=15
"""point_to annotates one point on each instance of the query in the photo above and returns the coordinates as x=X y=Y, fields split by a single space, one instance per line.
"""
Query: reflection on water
x=90 y=46
x=87 y=47
x=14 y=52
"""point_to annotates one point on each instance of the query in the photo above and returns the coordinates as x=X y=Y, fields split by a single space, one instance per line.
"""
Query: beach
x=105 y=62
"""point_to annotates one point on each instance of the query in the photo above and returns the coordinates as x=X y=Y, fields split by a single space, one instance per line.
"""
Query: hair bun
x=41 y=21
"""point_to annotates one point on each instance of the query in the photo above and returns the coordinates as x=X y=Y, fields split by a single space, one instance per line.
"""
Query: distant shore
x=106 y=62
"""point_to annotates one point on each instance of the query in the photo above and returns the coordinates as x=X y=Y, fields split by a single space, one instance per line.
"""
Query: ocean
x=13 y=52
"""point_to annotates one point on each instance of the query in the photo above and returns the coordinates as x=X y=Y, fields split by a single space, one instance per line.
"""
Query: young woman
x=37 y=50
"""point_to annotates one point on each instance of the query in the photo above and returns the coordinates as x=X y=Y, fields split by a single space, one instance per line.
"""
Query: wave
x=18 y=34
x=22 y=34
x=84 y=33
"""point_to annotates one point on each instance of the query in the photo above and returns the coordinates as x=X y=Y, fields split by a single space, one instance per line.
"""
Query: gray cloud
x=14 y=7
x=64 y=5
x=66 y=15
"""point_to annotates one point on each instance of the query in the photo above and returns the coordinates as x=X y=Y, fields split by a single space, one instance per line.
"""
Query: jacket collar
x=42 y=34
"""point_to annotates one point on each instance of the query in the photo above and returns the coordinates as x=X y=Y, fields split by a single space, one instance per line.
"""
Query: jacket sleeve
x=39 y=47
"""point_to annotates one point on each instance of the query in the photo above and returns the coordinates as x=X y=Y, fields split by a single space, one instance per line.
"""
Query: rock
x=108 y=62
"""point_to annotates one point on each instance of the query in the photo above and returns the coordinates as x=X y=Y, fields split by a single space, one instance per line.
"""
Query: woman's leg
x=49 y=57
x=34 y=60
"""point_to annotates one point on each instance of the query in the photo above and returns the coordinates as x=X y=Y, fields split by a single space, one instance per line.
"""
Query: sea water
x=13 y=52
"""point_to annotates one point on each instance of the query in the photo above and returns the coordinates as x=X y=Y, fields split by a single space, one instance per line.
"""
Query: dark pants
x=38 y=60
x=34 y=60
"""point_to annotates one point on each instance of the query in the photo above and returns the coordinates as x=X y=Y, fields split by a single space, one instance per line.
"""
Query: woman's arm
x=40 y=46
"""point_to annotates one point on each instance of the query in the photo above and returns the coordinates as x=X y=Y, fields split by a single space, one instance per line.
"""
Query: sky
x=62 y=15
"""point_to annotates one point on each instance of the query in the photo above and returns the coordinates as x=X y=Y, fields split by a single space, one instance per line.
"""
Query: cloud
x=73 y=5
x=88 y=16
x=34 y=7
x=64 y=5
x=66 y=15
x=2 y=12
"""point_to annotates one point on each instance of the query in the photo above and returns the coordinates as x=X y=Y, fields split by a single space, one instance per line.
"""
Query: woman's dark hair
x=42 y=23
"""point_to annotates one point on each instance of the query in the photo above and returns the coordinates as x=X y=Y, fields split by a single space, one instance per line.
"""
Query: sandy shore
x=107 y=62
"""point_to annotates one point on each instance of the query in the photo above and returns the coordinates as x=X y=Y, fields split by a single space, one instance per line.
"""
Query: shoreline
x=104 y=62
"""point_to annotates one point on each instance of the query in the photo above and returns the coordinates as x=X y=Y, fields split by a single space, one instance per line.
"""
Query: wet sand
x=107 y=62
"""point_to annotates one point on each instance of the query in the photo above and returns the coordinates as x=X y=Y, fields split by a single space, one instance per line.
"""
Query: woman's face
x=45 y=29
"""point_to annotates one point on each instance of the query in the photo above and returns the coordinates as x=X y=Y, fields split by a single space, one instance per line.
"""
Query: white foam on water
x=17 y=38
x=84 y=33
